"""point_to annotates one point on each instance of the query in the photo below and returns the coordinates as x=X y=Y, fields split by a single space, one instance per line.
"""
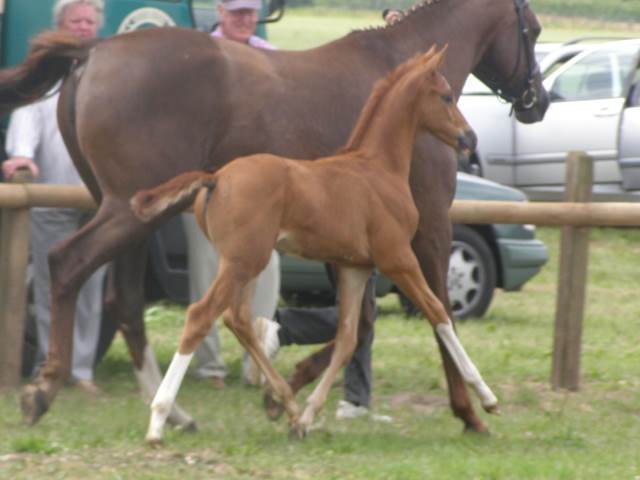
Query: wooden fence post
x=572 y=279
x=15 y=236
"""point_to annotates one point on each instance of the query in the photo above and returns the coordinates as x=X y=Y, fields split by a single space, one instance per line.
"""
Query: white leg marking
x=149 y=378
x=467 y=369
x=166 y=395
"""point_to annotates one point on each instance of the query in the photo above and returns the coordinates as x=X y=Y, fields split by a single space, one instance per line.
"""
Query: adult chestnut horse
x=138 y=109
x=353 y=209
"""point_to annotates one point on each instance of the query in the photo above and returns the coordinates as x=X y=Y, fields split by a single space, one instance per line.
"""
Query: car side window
x=597 y=76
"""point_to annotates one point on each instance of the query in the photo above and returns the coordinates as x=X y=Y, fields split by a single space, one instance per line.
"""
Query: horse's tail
x=148 y=204
x=52 y=57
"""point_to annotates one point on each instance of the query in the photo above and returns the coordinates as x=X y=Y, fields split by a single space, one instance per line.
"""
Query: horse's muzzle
x=467 y=141
x=532 y=110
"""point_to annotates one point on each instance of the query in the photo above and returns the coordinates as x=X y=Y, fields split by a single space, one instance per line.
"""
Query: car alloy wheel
x=471 y=279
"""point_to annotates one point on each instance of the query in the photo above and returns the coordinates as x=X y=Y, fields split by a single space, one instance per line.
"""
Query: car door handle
x=606 y=112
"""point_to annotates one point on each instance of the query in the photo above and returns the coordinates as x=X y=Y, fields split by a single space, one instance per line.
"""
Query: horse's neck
x=389 y=136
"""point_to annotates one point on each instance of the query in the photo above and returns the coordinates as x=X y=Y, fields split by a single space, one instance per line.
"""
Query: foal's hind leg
x=200 y=318
x=71 y=263
x=406 y=274
x=127 y=310
x=352 y=282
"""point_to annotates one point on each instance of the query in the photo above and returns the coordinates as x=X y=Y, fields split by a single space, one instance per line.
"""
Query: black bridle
x=529 y=97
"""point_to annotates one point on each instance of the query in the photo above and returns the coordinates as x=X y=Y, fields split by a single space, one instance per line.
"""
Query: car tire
x=471 y=280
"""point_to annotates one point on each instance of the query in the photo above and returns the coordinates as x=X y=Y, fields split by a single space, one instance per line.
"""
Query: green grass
x=591 y=434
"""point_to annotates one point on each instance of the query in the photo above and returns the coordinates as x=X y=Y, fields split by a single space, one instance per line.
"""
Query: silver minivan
x=594 y=108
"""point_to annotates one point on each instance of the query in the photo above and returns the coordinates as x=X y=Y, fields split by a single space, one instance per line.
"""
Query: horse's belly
x=317 y=247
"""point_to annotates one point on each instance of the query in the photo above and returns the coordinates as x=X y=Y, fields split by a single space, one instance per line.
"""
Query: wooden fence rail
x=611 y=214
x=575 y=213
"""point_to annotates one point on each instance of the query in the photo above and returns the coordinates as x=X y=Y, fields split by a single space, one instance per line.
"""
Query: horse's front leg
x=309 y=369
x=125 y=307
x=405 y=273
x=433 y=187
x=351 y=285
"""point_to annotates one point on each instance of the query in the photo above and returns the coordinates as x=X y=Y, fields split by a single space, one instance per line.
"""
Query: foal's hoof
x=272 y=407
x=33 y=403
x=154 y=442
x=190 y=427
x=297 y=431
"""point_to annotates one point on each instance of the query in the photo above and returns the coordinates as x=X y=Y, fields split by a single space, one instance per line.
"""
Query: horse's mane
x=418 y=7
x=378 y=92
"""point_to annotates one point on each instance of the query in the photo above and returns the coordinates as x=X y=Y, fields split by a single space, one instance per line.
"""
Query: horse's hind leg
x=71 y=263
x=126 y=308
x=406 y=274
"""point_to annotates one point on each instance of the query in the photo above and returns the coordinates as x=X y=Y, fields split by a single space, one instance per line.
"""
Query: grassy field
x=541 y=434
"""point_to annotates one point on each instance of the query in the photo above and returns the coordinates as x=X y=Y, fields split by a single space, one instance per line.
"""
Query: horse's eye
x=448 y=99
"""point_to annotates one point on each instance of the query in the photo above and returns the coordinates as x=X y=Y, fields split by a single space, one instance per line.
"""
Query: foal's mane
x=380 y=89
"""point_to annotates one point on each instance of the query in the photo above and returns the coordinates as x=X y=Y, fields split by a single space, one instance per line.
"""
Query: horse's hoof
x=272 y=407
x=33 y=403
x=477 y=427
x=471 y=430
x=190 y=427
x=493 y=409
x=154 y=442
x=297 y=431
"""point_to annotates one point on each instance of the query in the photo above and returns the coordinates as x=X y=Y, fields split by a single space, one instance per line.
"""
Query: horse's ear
x=435 y=61
x=429 y=55
x=441 y=54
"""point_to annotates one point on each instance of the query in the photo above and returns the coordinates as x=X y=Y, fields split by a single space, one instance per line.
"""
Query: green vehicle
x=20 y=20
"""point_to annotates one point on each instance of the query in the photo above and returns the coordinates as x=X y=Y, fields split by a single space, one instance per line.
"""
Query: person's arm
x=23 y=138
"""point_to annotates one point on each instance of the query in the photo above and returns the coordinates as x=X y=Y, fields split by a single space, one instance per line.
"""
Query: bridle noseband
x=529 y=97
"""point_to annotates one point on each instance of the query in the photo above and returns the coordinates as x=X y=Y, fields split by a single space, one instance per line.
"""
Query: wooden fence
x=575 y=216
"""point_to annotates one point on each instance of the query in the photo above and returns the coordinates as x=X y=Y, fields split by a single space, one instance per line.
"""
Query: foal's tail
x=148 y=204
x=52 y=56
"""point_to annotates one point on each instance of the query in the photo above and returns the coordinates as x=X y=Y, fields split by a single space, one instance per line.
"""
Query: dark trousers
x=307 y=326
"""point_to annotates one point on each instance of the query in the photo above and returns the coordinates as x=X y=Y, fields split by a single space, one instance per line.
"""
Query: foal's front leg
x=406 y=274
x=351 y=284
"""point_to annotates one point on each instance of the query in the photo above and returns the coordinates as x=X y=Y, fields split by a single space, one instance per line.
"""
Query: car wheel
x=471 y=280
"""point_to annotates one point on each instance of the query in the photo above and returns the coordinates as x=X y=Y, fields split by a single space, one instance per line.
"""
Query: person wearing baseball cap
x=237 y=21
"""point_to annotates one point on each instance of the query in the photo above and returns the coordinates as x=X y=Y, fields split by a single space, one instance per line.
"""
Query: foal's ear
x=429 y=54
x=441 y=54
x=434 y=63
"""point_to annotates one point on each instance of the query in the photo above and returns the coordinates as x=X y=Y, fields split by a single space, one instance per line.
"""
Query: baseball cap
x=238 y=4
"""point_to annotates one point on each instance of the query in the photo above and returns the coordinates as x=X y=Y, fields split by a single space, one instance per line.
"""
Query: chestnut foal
x=353 y=209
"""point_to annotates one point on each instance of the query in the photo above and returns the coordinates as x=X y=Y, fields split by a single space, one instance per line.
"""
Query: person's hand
x=10 y=166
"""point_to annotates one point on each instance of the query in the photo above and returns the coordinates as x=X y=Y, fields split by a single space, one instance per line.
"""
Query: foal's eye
x=448 y=99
